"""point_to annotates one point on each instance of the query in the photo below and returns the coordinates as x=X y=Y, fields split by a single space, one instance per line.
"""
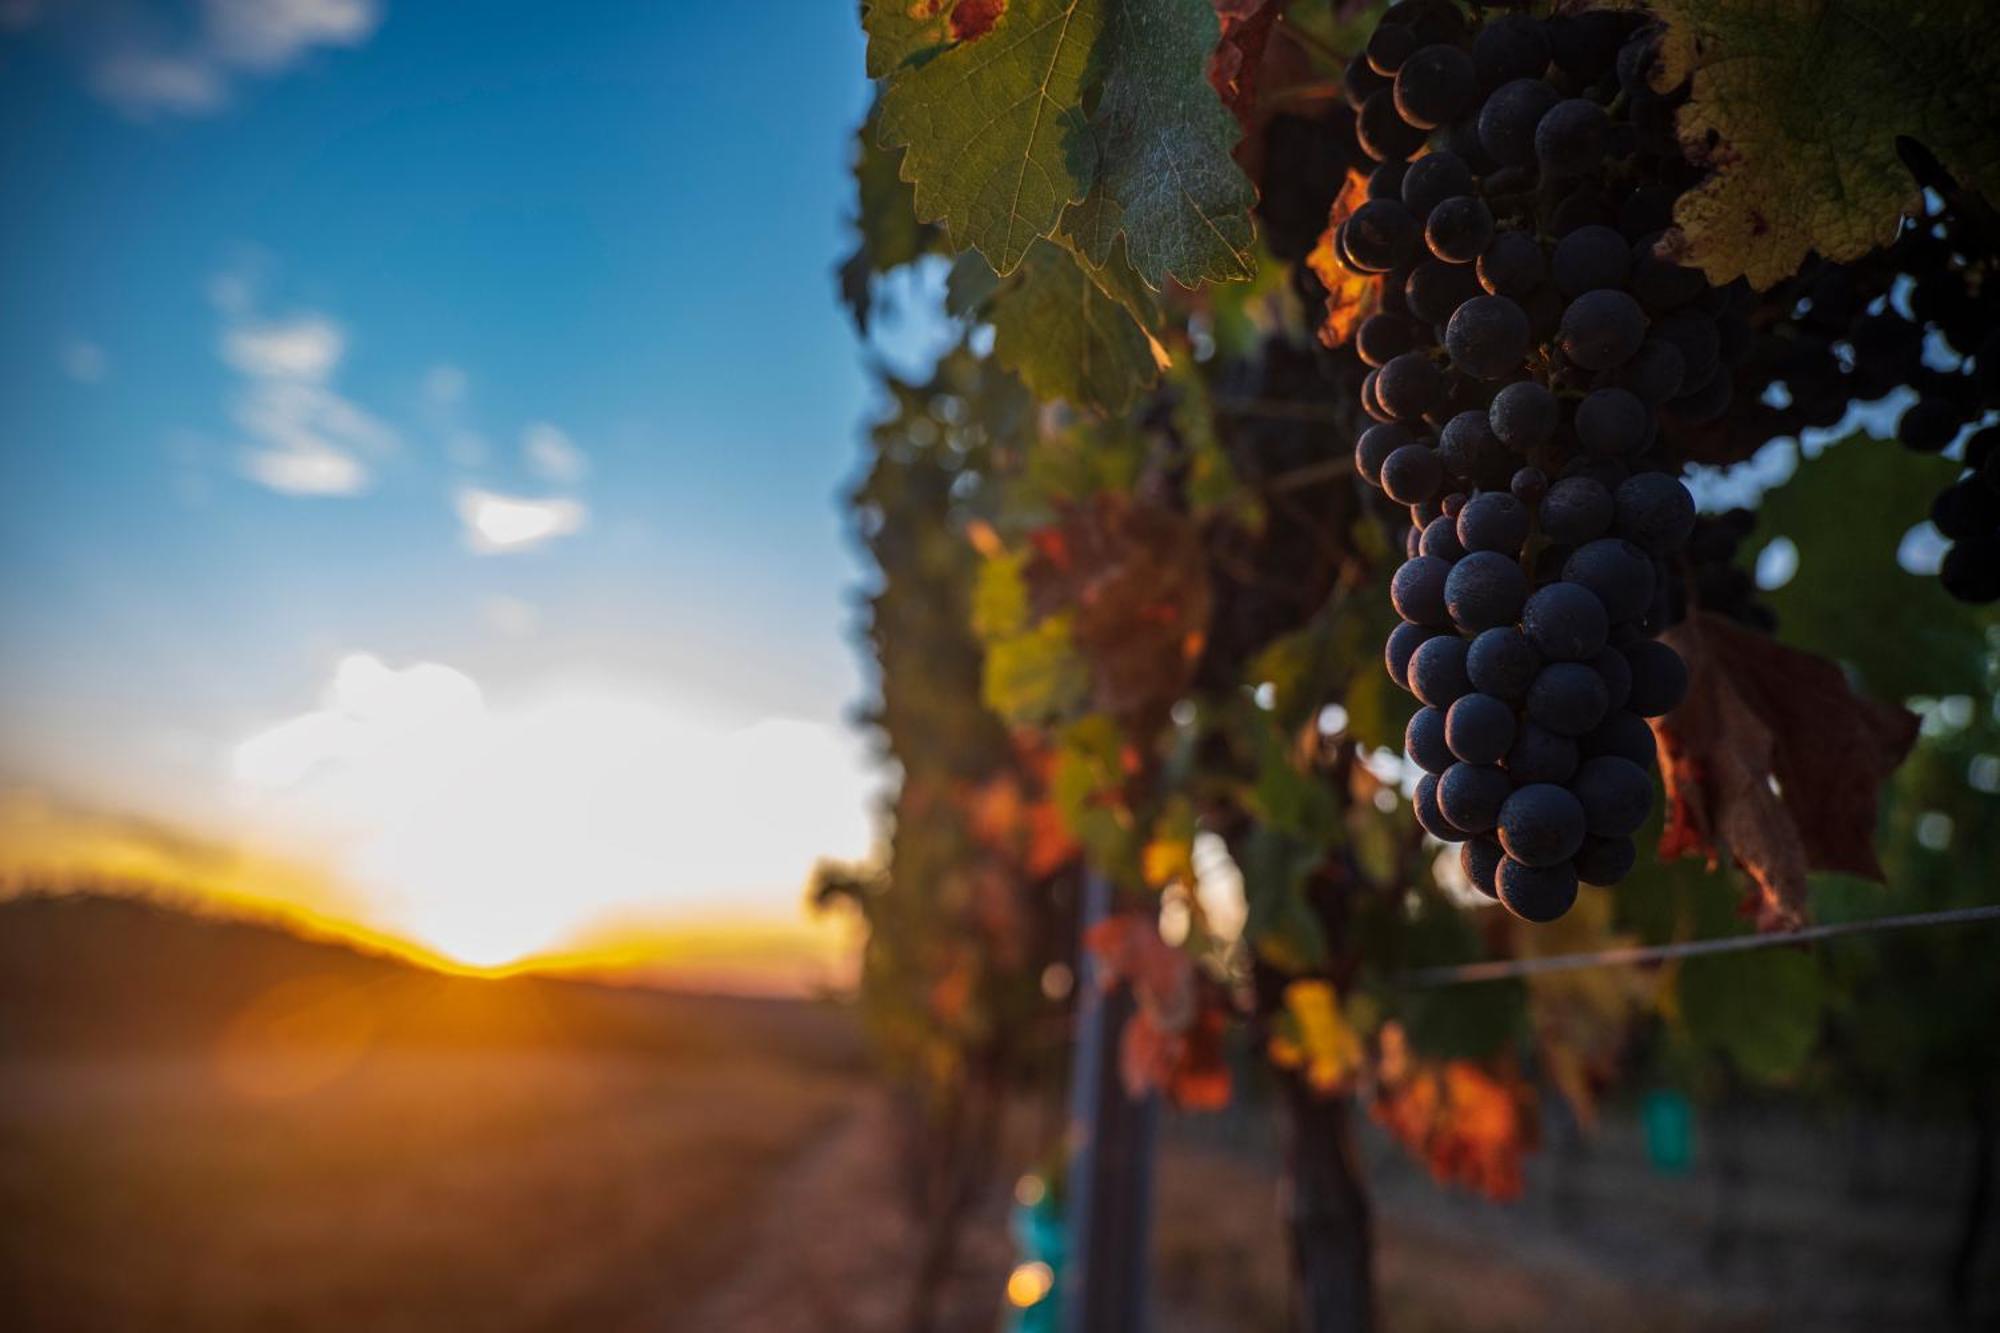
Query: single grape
x=1386 y=180
x=1512 y=265
x=1567 y=697
x=1360 y=81
x=1540 y=755
x=1501 y=662
x=1479 y=729
x=1654 y=512
x=1487 y=337
x=1507 y=122
x=1602 y=329
x=1524 y=416
x=1588 y=258
x=1468 y=450
x=1970 y=571
x=1388 y=47
x=1565 y=621
x=1570 y=138
x=1381 y=130
x=1409 y=386
x=1423 y=740
x=1430 y=817
x=1577 y=509
x=1470 y=796
x=1693 y=334
x=1417 y=591
x=1538 y=894
x=1493 y=521
x=1383 y=337
x=1437 y=671
x=1659 y=678
x=1459 y=229
x=1617 y=571
x=1485 y=589
x=1613 y=422
x=1381 y=235
x=1541 y=824
x=1616 y=796
x=1412 y=474
x=1435 y=85
x=1479 y=857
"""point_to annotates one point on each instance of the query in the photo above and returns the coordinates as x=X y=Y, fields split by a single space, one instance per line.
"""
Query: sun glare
x=493 y=836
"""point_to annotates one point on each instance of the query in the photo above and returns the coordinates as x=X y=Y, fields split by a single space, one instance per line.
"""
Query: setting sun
x=494 y=835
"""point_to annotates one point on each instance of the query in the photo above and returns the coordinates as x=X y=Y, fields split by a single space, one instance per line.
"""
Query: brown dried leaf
x=1775 y=759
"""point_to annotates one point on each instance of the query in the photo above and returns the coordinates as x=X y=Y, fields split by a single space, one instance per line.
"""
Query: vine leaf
x=996 y=139
x=1165 y=175
x=1774 y=758
x=1058 y=327
x=1796 y=107
x=1764 y=1010
x=1847 y=511
x=1232 y=69
x=1312 y=1037
x=1470 y=1124
x=1132 y=577
x=1174 y=1039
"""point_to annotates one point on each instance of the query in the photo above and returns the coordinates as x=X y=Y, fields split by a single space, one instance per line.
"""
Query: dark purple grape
x=1616 y=796
x=1541 y=824
x=1567 y=697
x=1507 y=122
x=1540 y=755
x=1538 y=894
x=1480 y=858
x=1423 y=741
x=1401 y=645
x=1524 y=415
x=1434 y=178
x=1417 y=592
x=1485 y=589
x=1619 y=573
x=1501 y=662
x=1577 y=509
x=1412 y=474
x=1459 y=229
x=1435 y=85
x=1512 y=265
x=1374 y=447
x=1479 y=729
x=1430 y=816
x=1604 y=861
x=1470 y=796
x=1565 y=622
x=1654 y=512
x=1487 y=337
x=1613 y=422
x=1602 y=329
x=1659 y=678
x=1437 y=671
x=1588 y=258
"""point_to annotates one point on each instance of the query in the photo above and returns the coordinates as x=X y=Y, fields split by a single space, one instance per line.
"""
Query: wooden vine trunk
x=1325 y=1209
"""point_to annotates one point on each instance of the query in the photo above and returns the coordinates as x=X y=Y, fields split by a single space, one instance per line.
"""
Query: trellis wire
x=1502 y=969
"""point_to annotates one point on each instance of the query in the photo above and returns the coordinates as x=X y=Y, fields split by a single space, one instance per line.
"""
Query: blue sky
x=302 y=297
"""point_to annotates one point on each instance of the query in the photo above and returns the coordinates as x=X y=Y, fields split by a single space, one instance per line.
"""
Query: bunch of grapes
x=1536 y=347
x=1922 y=314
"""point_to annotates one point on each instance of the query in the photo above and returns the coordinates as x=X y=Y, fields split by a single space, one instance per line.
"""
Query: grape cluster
x=1921 y=314
x=1535 y=336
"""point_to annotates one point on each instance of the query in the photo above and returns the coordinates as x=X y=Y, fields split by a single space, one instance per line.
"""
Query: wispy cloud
x=305 y=437
x=83 y=361
x=551 y=455
x=146 y=75
x=495 y=524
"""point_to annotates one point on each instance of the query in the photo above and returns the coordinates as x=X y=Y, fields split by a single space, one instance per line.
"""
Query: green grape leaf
x=997 y=142
x=1796 y=107
x=902 y=33
x=1761 y=1009
x=1055 y=325
x=1847 y=512
x=1279 y=922
x=1036 y=675
x=1165 y=176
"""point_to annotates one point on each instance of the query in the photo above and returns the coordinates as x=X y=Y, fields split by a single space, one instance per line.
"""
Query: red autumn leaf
x=1232 y=68
x=1773 y=758
x=1130 y=950
x=973 y=19
x=1134 y=578
x=1187 y=1064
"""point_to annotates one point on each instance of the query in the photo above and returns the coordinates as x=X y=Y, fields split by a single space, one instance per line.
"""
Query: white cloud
x=306 y=471
x=305 y=438
x=83 y=361
x=492 y=833
x=143 y=83
x=268 y=35
x=146 y=76
x=552 y=455
x=307 y=347
x=495 y=523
